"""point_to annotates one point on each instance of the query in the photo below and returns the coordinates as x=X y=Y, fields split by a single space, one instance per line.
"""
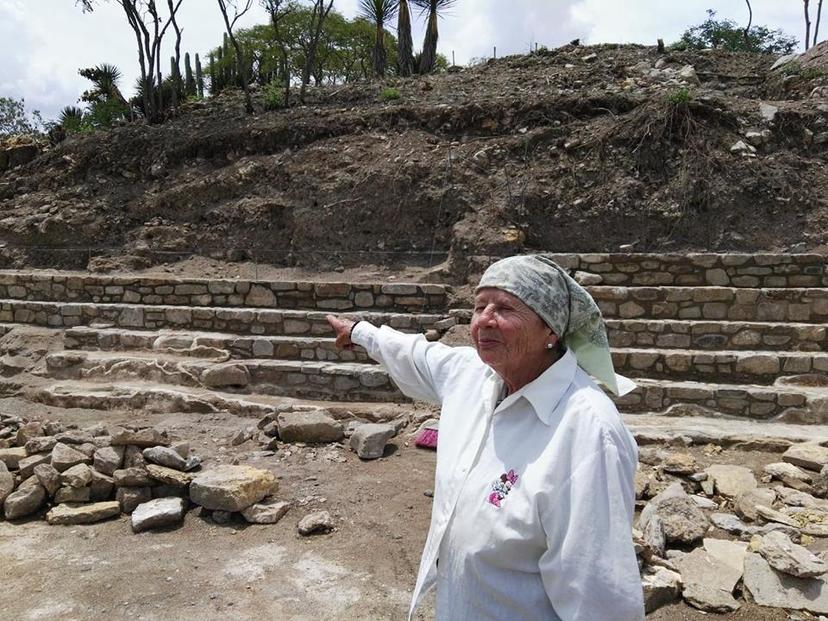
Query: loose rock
x=157 y=513
x=268 y=512
x=108 y=459
x=784 y=555
x=164 y=456
x=130 y=497
x=64 y=457
x=315 y=426
x=779 y=590
x=232 y=488
x=732 y=481
x=72 y=494
x=661 y=587
x=27 y=499
x=369 y=440
x=806 y=455
x=131 y=477
x=320 y=522
x=82 y=514
x=48 y=477
x=143 y=438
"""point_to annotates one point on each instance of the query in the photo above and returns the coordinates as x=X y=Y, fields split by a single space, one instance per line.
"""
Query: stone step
x=214 y=345
x=704 y=270
x=171 y=291
x=337 y=381
x=718 y=366
x=685 y=398
x=718 y=303
x=716 y=335
x=739 y=432
x=235 y=320
x=150 y=397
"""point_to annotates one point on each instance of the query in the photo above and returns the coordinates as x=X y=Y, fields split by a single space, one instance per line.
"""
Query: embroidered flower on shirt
x=502 y=486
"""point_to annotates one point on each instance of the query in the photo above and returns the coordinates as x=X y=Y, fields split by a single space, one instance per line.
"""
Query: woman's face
x=509 y=336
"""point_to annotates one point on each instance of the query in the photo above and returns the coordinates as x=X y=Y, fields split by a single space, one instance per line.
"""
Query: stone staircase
x=168 y=344
x=703 y=335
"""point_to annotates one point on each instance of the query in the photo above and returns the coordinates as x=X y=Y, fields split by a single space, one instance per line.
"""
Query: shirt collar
x=545 y=391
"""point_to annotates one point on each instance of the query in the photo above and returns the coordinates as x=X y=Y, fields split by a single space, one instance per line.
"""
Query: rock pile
x=688 y=512
x=87 y=475
x=313 y=425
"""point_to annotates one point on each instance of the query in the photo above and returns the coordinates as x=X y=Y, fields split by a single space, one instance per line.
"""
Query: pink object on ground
x=427 y=437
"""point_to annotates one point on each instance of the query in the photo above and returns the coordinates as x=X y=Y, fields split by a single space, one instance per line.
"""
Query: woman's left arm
x=590 y=570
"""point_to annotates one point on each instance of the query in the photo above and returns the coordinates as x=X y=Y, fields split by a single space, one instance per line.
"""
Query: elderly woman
x=534 y=493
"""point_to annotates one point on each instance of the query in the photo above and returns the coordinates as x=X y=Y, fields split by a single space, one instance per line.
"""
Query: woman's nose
x=486 y=316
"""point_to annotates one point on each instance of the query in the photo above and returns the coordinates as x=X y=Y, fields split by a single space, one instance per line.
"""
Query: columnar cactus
x=189 y=81
x=200 y=75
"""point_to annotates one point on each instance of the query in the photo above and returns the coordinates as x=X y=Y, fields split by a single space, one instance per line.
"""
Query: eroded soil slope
x=574 y=149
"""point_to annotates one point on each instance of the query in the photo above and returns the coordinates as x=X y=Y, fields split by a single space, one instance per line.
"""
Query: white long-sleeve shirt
x=533 y=497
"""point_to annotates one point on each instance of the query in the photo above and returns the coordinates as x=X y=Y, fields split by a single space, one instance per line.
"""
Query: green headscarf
x=565 y=306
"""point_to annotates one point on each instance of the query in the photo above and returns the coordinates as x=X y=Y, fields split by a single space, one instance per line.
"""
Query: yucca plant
x=433 y=9
x=379 y=12
x=104 y=78
x=71 y=119
x=405 y=45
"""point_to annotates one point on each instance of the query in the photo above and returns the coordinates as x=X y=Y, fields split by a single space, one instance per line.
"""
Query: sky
x=43 y=43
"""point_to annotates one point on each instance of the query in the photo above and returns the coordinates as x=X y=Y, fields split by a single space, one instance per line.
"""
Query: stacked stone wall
x=714 y=303
x=235 y=320
x=701 y=270
x=328 y=296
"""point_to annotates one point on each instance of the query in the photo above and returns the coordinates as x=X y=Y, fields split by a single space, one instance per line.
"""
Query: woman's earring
x=550 y=346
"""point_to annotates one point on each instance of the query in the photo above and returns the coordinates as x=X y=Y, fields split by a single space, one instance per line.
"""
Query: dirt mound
x=573 y=149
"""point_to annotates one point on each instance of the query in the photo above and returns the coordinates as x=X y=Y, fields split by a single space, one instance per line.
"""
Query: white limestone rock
x=784 y=555
x=157 y=513
x=232 y=488
x=369 y=440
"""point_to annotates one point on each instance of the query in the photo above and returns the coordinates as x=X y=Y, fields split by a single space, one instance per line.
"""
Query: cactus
x=199 y=76
x=229 y=65
x=176 y=79
x=218 y=83
x=189 y=82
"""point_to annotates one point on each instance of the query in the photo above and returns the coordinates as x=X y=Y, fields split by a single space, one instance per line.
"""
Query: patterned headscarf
x=565 y=306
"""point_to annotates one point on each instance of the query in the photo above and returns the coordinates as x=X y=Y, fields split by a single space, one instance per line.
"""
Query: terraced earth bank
x=574 y=149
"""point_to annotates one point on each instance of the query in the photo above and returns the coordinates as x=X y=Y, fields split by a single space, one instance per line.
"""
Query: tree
x=809 y=42
x=432 y=8
x=278 y=11
x=405 y=44
x=807 y=24
x=344 y=52
x=149 y=29
x=378 y=12
x=319 y=13
x=726 y=35
x=238 y=11
x=750 y=21
x=15 y=121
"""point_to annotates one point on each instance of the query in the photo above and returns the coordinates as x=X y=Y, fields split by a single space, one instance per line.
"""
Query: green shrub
x=795 y=68
x=390 y=94
x=679 y=96
x=726 y=35
x=274 y=96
